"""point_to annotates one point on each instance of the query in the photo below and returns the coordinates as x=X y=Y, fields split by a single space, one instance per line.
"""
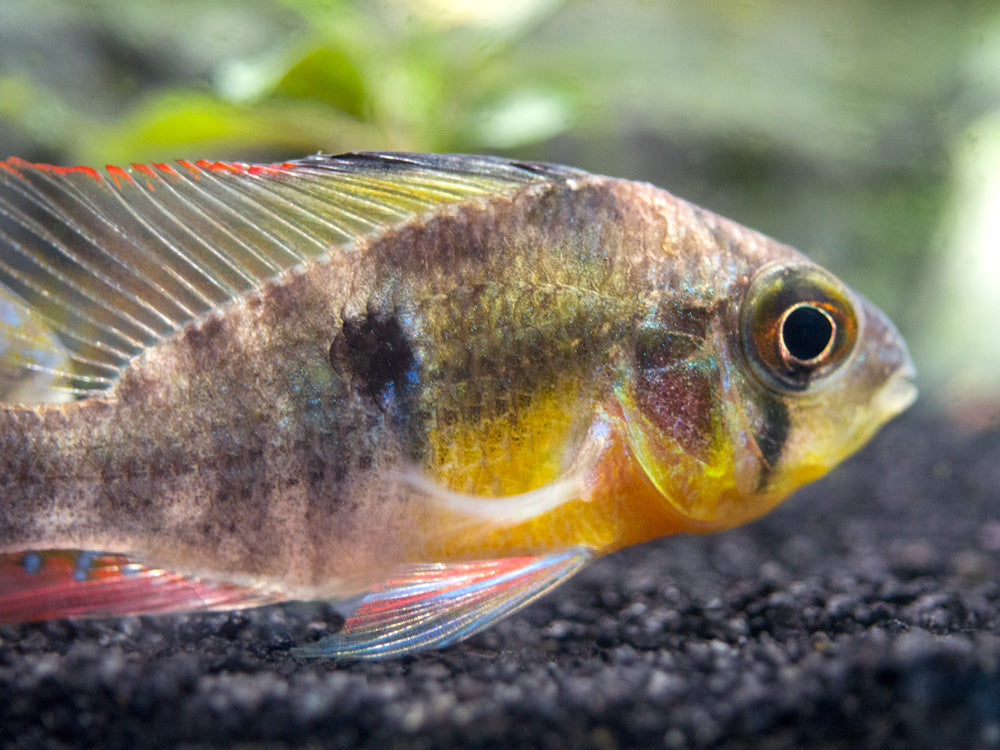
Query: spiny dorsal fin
x=113 y=261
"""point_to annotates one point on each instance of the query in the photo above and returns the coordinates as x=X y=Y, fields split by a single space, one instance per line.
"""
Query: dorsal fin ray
x=113 y=261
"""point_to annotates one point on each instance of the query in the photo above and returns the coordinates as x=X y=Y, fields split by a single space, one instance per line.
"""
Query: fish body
x=439 y=379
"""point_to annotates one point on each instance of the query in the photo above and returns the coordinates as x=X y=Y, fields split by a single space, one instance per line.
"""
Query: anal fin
x=73 y=583
x=434 y=605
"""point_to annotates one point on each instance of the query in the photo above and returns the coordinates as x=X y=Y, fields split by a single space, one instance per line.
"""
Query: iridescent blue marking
x=32 y=563
x=84 y=562
x=9 y=313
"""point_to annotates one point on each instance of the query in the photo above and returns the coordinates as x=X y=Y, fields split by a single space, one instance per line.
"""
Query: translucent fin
x=73 y=583
x=112 y=261
x=434 y=605
x=30 y=356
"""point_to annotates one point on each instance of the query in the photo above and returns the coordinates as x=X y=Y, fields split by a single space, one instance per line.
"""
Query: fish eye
x=807 y=333
x=798 y=326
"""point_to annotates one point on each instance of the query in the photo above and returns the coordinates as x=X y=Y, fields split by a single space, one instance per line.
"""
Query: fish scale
x=446 y=381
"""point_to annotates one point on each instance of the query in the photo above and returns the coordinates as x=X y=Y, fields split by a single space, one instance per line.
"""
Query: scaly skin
x=485 y=347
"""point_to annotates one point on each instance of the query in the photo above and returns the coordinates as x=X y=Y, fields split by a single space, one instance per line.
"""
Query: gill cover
x=708 y=428
x=672 y=399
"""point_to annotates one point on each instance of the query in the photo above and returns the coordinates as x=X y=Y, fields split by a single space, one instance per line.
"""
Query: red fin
x=72 y=583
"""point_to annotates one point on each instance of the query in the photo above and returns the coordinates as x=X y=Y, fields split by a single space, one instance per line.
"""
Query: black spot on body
x=379 y=354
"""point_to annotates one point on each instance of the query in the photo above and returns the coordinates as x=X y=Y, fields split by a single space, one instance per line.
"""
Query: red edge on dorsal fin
x=17 y=166
x=191 y=168
x=267 y=169
x=53 y=584
x=147 y=171
x=220 y=166
x=235 y=167
x=118 y=174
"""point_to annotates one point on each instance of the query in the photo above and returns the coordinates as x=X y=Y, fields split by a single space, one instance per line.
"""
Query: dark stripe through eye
x=771 y=439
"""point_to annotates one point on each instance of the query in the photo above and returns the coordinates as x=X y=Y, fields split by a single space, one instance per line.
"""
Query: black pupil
x=806 y=332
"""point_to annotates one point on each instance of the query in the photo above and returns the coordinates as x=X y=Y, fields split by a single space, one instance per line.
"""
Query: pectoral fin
x=74 y=583
x=434 y=605
x=506 y=510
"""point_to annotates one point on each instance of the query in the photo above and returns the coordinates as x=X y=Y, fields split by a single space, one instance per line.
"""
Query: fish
x=428 y=387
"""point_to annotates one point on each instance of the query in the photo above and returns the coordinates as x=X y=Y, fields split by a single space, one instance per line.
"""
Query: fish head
x=790 y=373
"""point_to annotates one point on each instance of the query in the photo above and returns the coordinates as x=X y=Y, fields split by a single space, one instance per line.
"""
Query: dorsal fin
x=113 y=261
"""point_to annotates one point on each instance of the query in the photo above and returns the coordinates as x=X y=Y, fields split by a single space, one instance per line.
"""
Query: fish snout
x=890 y=368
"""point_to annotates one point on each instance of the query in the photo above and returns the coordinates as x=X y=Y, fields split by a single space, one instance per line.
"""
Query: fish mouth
x=899 y=392
x=897 y=371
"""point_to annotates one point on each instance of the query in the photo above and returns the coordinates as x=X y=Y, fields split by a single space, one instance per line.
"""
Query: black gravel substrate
x=864 y=613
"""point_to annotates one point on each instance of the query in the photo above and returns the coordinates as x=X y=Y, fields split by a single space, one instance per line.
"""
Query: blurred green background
x=865 y=134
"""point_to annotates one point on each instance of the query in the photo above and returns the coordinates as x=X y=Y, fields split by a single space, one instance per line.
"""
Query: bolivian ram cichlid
x=435 y=386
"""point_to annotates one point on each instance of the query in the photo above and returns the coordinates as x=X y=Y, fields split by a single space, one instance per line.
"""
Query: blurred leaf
x=196 y=125
x=510 y=16
x=17 y=95
x=521 y=117
x=40 y=114
x=326 y=75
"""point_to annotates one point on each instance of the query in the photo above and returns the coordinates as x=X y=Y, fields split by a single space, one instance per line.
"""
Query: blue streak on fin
x=434 y=605
x=52 y=584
